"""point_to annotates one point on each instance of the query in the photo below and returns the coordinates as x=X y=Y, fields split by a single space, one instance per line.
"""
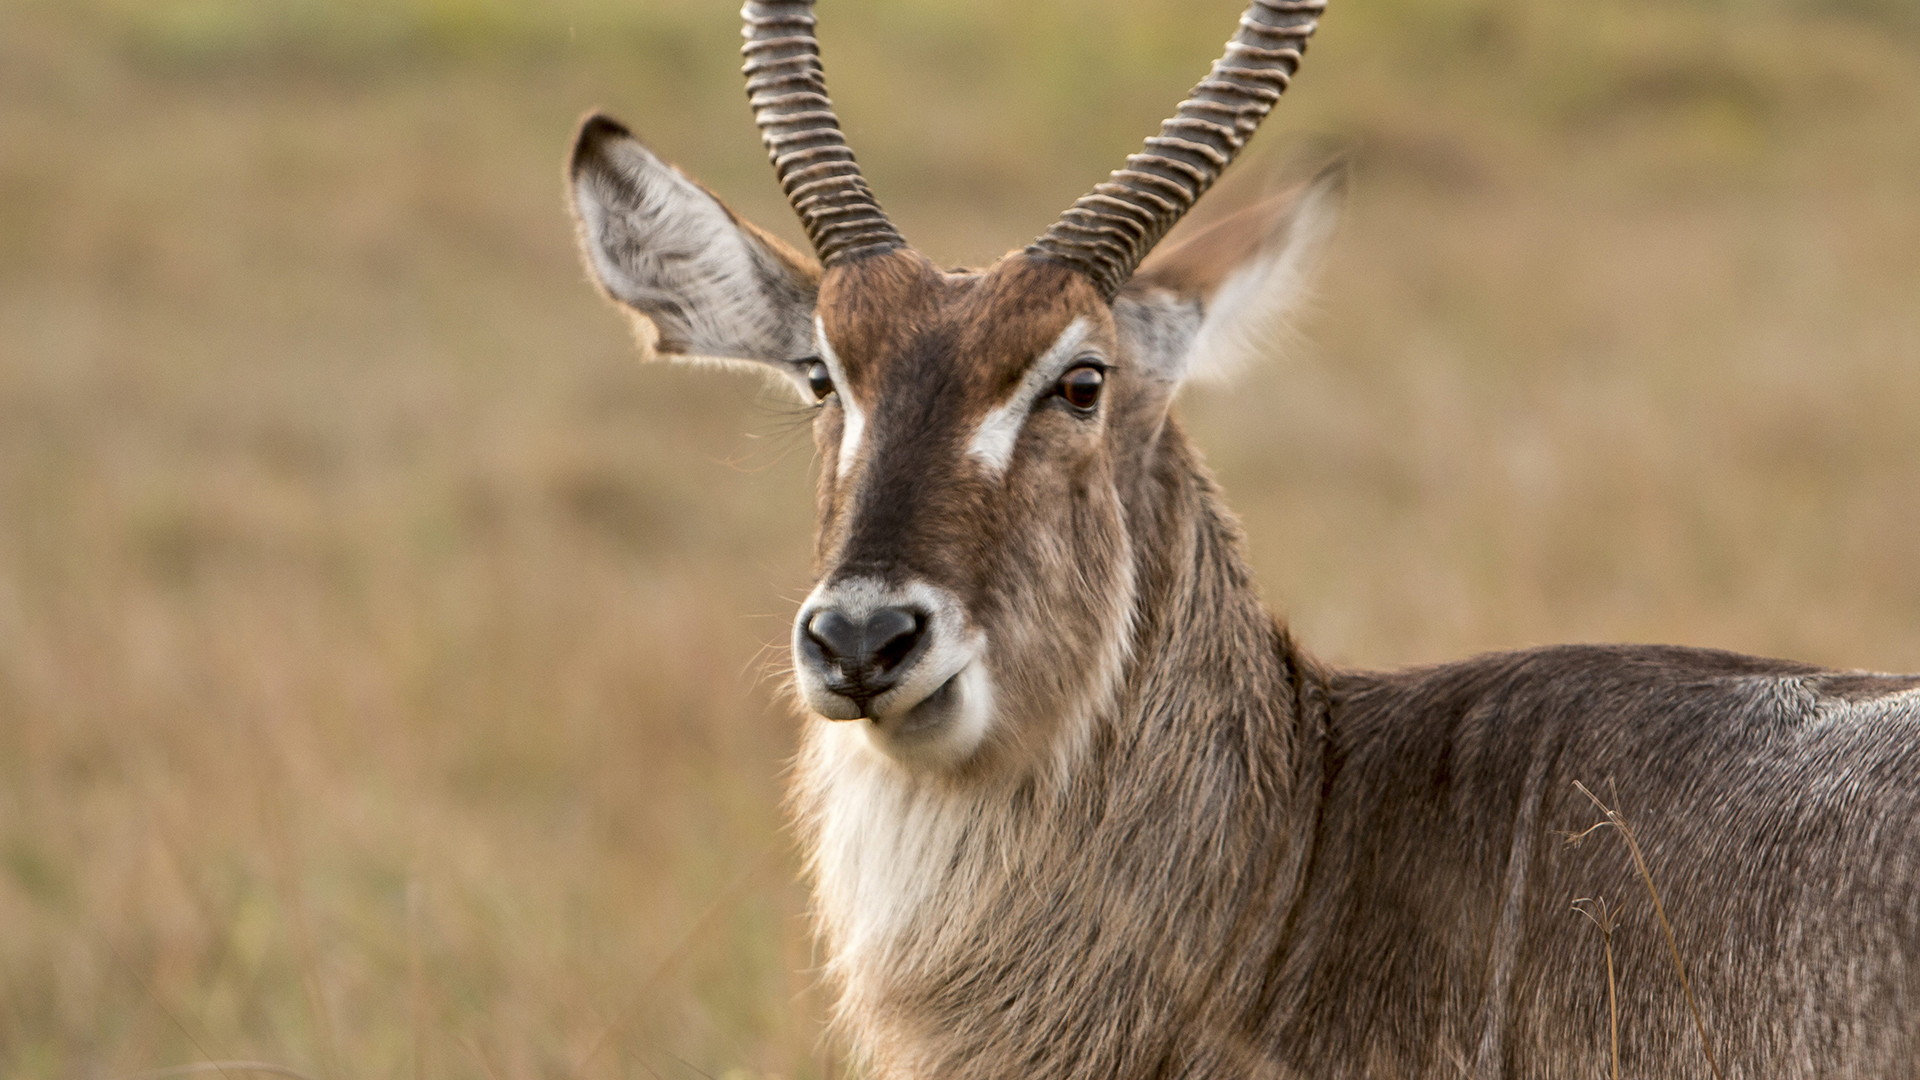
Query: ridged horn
x=788 y=91
x=1108 y=232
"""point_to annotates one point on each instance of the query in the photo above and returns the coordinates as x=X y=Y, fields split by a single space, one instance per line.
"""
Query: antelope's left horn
x=787 y=88
x=1108 y=232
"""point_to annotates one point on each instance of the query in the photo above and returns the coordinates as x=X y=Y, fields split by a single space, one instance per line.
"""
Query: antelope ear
x=711 y=284
x=1226 y=295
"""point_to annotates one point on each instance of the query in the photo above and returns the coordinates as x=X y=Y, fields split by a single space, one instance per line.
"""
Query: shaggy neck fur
x=1074 y=922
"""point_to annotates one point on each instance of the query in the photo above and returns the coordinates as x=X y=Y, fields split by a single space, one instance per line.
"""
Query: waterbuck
x=1074 y=804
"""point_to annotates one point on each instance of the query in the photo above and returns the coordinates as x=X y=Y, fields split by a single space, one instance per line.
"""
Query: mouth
x=938 y=731
x=929 y=713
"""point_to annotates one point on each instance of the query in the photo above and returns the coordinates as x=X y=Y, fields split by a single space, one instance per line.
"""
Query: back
x=1776 y=806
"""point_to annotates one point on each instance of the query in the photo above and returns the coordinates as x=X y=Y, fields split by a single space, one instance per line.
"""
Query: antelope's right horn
x=787 y=88
x=1108 y=232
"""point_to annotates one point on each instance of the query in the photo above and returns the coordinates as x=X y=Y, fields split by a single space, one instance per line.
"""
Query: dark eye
x=819 y=380
x=1081 y=386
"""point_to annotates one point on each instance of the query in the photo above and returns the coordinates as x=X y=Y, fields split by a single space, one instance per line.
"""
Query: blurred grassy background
x=381 y=647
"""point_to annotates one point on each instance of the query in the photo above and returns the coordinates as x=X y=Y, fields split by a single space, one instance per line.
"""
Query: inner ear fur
x=710 y=283
x=1246 y=275
x=1196 y=266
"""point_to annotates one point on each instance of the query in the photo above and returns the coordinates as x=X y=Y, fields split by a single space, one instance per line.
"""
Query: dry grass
x=379 y=645
x=1606 y=919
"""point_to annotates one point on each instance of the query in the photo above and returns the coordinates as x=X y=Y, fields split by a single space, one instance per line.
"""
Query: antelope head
x=988 y=439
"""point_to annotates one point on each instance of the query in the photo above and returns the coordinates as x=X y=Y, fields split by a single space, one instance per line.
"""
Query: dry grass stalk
x=146 y=988
x=1606 y=919
x=1659 y=909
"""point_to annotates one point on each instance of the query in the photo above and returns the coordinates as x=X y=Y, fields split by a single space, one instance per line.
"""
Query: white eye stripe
x=993 y=441
x=853 y=420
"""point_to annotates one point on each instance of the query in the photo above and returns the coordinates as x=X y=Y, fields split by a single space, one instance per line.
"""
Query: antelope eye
x=819 y=380
x=1081 y=386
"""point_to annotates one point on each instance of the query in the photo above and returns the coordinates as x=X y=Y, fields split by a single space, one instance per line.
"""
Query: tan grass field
x=388 y=662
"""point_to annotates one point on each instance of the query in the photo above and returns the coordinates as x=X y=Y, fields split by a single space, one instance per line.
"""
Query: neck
x=1209 y=656
x=1151 y=866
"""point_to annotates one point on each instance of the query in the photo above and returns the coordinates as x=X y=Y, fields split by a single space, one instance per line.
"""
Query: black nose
x=868 y=653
